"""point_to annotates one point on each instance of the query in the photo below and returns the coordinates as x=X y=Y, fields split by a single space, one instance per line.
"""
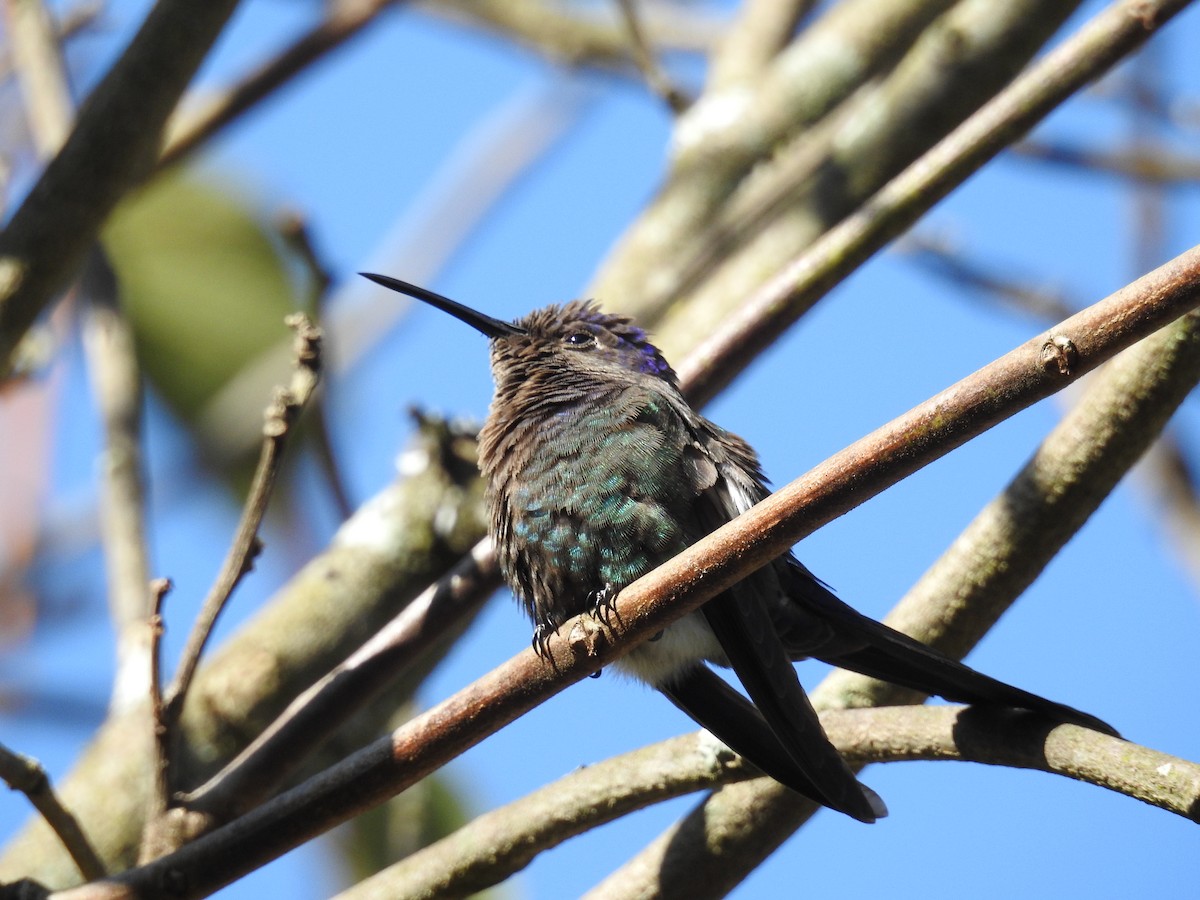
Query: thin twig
x=1158 y=165
x=160 y=791
x=993 y=282
x=293 y=228
x=21 y=773
x=647 y=61
x=346 y=18
x=160 y=795
x=280 y=417
x=573 y=36
x=116 y=380
x=849 y=478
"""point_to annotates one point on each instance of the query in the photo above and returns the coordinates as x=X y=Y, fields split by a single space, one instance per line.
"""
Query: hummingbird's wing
x=854 y=641
x=783 y=737
x=812 y=622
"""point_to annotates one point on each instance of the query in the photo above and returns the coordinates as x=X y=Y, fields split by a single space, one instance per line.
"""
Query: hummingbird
x=598 y=470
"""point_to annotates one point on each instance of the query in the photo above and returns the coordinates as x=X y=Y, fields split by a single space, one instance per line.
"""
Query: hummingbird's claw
x=541 y=639
x=604 y=605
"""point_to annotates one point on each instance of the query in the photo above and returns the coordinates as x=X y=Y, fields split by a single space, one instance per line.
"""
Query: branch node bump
x=1059 y=354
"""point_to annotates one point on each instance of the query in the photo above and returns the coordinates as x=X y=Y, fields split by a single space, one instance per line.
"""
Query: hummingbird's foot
x=604 y=604
x=541 y=638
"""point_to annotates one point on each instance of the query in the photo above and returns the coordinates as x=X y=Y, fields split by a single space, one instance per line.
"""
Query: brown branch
x=26 y=775
x=1120 y=414
x=681 y=585
x=112 y=147
x=502 y=842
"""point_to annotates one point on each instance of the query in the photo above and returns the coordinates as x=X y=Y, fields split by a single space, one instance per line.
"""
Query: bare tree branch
x=112 y=147
x=726 y=134
x=500 y=843
x=117 y=386
x=1117 y=31
x=115 y=375
x=765 y=812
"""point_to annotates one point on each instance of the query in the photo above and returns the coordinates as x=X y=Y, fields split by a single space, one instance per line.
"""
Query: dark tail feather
x=747 y=634
x=899 y=659
x=736 y=722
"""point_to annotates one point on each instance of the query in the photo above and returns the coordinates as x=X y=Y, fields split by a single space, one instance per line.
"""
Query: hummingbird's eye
x=579 y=339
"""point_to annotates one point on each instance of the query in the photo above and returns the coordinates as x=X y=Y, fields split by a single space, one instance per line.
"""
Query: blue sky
x=1111 y=626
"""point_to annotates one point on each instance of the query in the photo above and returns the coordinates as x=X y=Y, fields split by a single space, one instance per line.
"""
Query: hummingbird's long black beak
x=493 y=328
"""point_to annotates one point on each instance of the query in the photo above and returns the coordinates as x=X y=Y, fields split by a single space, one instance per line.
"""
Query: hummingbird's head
x=577 y=338
x=556 y=348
